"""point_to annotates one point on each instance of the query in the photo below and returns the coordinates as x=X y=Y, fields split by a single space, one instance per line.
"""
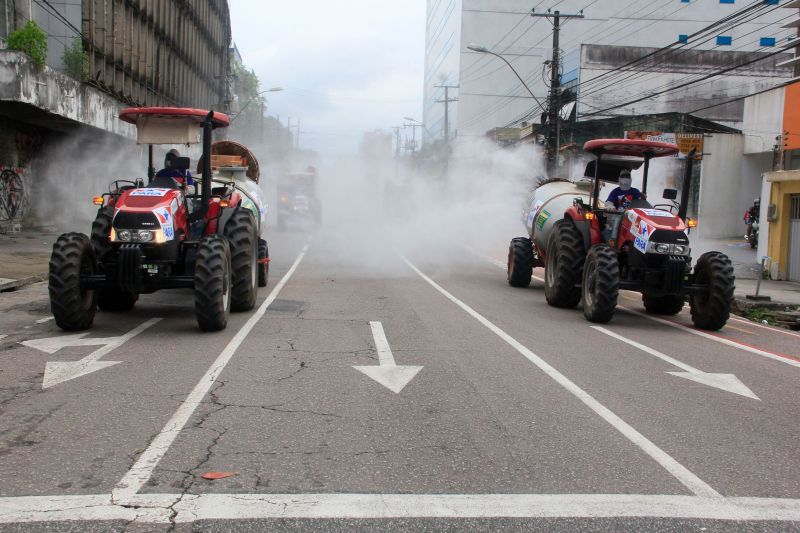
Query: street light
x=270 y=90
x=483 y=50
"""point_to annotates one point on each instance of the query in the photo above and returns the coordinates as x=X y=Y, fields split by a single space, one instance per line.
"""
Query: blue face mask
x=624 y=183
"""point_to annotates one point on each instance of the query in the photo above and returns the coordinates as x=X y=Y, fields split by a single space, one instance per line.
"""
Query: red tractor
x=590 y=251
x=169 y=233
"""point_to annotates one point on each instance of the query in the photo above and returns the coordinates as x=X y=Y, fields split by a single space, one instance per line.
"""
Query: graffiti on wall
x=13 y=194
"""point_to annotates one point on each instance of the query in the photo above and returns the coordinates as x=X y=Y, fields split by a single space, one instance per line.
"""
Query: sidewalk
x=24 y=257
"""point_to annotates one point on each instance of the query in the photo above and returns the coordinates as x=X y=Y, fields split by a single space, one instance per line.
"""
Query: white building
x=490 y=95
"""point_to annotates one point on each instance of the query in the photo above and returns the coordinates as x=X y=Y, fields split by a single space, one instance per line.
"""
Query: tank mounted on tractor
x=169 y=233
x=591 y=251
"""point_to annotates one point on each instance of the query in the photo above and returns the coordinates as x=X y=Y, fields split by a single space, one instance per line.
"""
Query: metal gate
x=794 y=239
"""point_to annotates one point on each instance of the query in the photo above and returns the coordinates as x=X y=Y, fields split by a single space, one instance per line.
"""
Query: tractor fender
x=582 y=225
x=226 y=215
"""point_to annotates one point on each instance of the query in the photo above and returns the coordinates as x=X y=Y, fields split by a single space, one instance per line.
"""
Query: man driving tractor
x=172 y=171
x=624 y=194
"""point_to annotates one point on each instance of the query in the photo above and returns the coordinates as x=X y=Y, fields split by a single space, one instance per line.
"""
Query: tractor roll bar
x=205 y=191
x=687 y=184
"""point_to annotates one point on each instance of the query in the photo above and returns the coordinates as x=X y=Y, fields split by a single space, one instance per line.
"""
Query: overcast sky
x=346 y=66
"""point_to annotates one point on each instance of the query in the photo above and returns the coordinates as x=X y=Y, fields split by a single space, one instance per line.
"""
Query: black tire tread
x=211 y=263
x=567 y=243
x=101 y=232
x=240 y=232
x=712 y=311
x=520 y=262
x=263 y=268
x=603 y=260
x=66 y=298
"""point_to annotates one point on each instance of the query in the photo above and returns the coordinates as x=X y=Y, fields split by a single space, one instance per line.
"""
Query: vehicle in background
x=298 y=202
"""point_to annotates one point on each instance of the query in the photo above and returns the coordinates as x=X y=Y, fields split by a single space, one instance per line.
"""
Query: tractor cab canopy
x=170 y=125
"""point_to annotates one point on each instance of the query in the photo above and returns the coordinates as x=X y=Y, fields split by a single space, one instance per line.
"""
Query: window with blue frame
x=683 y=38
x=724 y=40
x=771 y=2
x=727 y=1
x=767 y=41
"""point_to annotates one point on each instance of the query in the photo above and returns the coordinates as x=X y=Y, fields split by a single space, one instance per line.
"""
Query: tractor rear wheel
x=600 y=287
x=212 y=283
x=263 y=268
x=711 y=310
x=241 y=233
x=101 y=232
x=520 y=262
x=73 y=307
x=670 y=304
x=113 y=299
x=564 y=266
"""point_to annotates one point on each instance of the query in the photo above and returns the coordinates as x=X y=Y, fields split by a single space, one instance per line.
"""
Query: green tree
x=32 y=40
x=76 y=60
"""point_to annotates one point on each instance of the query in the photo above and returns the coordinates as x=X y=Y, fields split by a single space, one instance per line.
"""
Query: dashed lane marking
x=46 y=319
x=141 y=471
x=680 y=472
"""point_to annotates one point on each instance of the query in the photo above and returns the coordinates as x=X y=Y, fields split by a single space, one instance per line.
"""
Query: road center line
x=141 y=471
x=385 y=357
x=680 y=472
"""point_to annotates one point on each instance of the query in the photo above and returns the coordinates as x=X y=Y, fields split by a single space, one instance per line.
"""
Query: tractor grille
x=129 y=220
x=674 y=272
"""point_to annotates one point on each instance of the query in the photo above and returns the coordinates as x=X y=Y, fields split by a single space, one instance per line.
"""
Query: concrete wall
x=763 y=116
x=721 y=209
x=57 y=94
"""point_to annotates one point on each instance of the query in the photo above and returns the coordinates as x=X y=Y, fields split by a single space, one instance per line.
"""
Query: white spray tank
x=252 y=196
x=547 y=205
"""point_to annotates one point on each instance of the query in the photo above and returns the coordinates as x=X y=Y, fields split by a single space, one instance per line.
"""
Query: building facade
x=611 y=33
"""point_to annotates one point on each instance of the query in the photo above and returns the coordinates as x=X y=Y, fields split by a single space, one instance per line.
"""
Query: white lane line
x=3 y=337
x=155 y=508
x=141 y=471
x=741 y=346
x=387 y=373
x=762 y=326
x=726 y=382
x=680 y=472
x=43 y=320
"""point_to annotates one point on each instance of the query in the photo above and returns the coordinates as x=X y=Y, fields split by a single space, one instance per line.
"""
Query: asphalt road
x=508 y=415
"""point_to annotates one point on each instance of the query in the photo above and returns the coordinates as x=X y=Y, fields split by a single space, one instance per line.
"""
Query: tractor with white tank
x=591 y=250
x=170 y=232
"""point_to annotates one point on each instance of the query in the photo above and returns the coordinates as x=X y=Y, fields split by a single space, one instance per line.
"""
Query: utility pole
x=446 y=103
x=397 y=140
x=553 y=107
x=413 y=133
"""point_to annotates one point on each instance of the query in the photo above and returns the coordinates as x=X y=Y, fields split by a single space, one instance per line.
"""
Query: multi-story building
x=611 y=34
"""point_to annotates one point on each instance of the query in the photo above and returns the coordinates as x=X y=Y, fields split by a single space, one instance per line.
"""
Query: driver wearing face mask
x=623 y=195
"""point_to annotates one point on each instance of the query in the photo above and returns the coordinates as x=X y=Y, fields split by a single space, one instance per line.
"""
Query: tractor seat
x=163 y=182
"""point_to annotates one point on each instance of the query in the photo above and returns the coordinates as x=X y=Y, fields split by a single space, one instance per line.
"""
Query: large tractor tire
x=241 y=234
x=712 y=309
x=600 y=287
x=564 y=266
x=520 y=262
x=72 y=307
x=263 y=268
x=101 y=232
x=670 y=304
x=212 y=283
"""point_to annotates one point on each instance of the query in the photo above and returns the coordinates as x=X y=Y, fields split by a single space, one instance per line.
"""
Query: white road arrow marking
x=56 y=372
x=726 y=382
x=387 y=373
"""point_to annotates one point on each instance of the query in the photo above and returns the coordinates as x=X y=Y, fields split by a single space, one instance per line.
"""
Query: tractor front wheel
x=73 y=307
x=241 y=233
x=212 y=283
x=520 y=262
x=600 y=287
x=670 y=304
x=101 y=232
x=565 y=257
x=711 y=309
x=263 y=268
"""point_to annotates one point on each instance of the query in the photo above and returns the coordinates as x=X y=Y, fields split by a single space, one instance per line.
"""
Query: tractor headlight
x=680 y=249
x=124 y=235
x=144 y=235
x=662 y=248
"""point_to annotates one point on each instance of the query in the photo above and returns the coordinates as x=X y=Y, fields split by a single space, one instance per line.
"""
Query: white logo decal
x=150 y=192
x=657 y=213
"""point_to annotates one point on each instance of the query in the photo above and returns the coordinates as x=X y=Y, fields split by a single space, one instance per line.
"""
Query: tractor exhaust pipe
x=687 y=184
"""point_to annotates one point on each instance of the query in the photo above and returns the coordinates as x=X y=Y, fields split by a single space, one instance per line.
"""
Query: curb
x=20 y=283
